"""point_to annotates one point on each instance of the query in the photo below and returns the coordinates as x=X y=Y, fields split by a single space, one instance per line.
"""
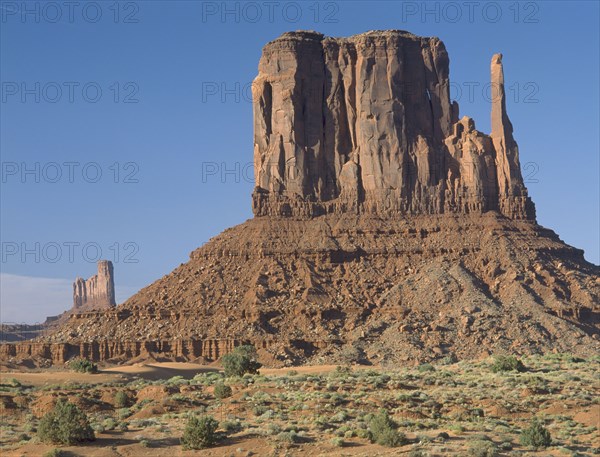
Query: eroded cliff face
x=365 y=125
x=97 y=291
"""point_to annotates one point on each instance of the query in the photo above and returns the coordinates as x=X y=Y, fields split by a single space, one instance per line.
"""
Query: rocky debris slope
x=420 y=288
x=386 y=230
x=365 y=125
x=97 y=291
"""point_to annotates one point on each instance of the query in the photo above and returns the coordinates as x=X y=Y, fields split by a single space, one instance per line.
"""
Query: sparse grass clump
x=536 y=435
x=507 y=363
x=65 y=424
x=383 y=430
x=200 y=433
x=241 y=361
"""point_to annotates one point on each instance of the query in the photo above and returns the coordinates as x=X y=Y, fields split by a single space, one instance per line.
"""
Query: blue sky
x=135 y=119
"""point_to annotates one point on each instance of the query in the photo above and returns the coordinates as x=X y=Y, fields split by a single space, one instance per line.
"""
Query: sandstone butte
x=97 y=291
x=386 y=229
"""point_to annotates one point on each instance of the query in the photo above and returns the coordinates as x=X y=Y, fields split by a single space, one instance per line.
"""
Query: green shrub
x=65 y=424
x=507 y=363
x=121 y=399
x=536 y=435
x=241 y=361
x=222 y=391
x=82 y=365
x=383 y=430
x=482 y=448
x=200 y=433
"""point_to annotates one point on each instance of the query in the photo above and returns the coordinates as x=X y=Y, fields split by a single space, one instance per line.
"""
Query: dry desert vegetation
x=500 y=406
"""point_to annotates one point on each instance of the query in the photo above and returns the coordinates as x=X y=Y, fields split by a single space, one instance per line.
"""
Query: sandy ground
x=150 y=371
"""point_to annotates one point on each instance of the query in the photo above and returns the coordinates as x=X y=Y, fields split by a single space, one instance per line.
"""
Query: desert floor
x=456 y=409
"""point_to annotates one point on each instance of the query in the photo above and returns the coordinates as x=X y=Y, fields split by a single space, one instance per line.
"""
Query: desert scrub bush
x=123 y=413
x=109 y=424
x=337 y=442
x=200 y=433
x=425 y=367
x=56 y=453
x=65 y=424
x=417 y=453
x=241 y=361
x=336 y=399
x=82 y=365
x=207 y=379
x=288 y=437
x=450 y=359
x=273 y=429
x=122 y=427
x=342 y=416
x=383 y=430
x=222 y=391
x=536 y=435
x=259 y=410
x=121 y=399
x=482 y=448
x=232 y=427
x=507 y=363
x=11 y=382
x=177 y=381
